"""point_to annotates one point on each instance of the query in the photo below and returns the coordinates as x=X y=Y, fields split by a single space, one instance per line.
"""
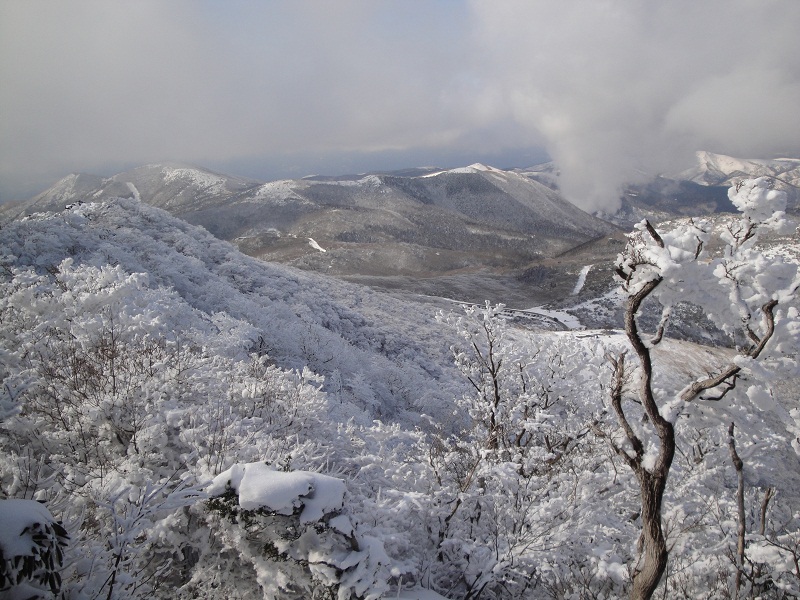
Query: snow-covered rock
x=260 y=486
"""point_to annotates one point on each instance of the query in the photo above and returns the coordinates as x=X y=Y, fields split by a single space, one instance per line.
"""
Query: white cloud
x=625 y=88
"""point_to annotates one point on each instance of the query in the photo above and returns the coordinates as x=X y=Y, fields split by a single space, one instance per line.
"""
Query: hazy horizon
x=613 y=91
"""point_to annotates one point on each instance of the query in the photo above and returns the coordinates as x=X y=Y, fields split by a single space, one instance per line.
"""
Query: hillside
x=312 y=321
x=718 y=169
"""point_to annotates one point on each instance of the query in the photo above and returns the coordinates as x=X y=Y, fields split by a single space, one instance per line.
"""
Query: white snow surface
x=201 y=179
x=313 y=243
x=278 y=193
x=15 y=516
x=473 y=168
x=568 y=320
x=260 y=486
x=581 y=280
x=134 y=191
x=715 y=168
x=721 y=162
x=283 y=187
x=372 y=181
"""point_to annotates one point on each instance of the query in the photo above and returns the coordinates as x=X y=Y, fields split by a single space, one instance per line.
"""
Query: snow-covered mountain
x=469 y=233
x=664 y=198
x=697 y=191
x=466 y=199
x=719 y=169
x=432 y=227
x=170 y=186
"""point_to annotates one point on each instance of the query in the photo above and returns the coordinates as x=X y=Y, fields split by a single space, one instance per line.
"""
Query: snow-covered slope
x=504 y=198
x=308 y=320
x=718 y=169
x=170 y=186
x=699 y=190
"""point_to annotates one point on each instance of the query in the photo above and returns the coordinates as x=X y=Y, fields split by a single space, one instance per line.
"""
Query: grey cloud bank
x=610 y=90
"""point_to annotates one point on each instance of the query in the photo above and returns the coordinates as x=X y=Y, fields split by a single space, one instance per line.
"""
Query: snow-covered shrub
x=512 y=482
x=125 y=397
x=290 y=527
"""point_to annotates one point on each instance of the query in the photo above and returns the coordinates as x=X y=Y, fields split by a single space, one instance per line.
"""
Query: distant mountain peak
x=197 y=177
x=473 y=168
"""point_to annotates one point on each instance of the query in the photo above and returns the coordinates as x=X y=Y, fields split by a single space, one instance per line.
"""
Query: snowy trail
x=566 y=319
x=581 y=279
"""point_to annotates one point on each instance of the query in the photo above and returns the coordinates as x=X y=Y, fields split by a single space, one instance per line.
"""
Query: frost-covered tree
x=745 y=293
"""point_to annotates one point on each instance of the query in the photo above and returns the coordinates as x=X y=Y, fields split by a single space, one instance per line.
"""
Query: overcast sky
x=612 y=91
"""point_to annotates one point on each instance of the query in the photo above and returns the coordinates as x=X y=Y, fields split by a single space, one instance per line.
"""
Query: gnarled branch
x=731 y=371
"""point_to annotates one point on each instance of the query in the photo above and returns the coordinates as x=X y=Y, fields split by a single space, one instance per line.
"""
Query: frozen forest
x=179 y=420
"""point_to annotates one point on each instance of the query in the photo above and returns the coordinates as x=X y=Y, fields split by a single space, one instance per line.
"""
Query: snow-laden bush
x=291 y=528
x=126 y=398
x=511 y=485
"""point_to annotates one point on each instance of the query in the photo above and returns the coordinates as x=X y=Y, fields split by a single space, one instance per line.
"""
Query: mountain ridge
x=467 y=233
x=428 y=224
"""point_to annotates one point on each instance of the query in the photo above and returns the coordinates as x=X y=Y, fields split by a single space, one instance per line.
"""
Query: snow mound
x=17 y=526
x=260 y=486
